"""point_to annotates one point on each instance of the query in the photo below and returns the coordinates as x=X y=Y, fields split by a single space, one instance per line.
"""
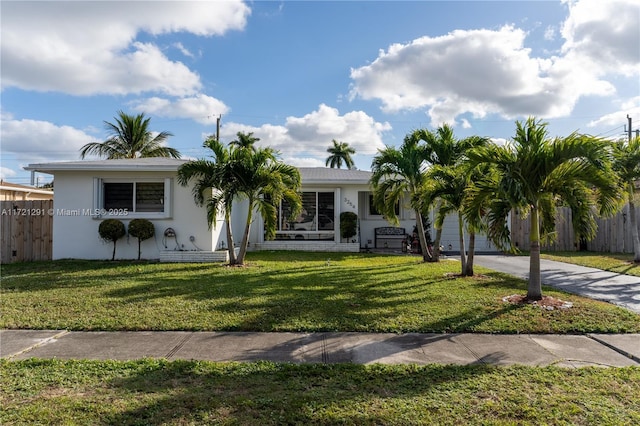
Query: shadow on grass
x=38 y=276
x=265 y=393
x=305 y=293
x=319 y=298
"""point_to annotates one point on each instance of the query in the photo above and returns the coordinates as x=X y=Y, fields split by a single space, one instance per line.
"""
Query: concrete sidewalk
x=361 y=348
x=621 y=290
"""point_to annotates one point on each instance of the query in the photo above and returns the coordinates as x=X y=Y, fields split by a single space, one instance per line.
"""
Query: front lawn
x=287 y=291
x=621 y=263
x=148 y=392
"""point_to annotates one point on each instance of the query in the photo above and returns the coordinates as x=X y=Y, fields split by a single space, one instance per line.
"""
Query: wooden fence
x=26 y=229
x=613 y=235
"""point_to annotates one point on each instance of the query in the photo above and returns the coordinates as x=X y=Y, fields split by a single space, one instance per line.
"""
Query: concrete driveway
x=622 y=290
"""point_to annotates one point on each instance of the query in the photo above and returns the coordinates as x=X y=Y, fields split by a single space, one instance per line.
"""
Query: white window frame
x=317 y=232
x=98 y=211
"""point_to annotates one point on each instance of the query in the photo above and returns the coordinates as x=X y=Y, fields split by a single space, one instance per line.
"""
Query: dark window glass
x=325 y=211
x=118 y=196
x=149 y=197
x=374 y=212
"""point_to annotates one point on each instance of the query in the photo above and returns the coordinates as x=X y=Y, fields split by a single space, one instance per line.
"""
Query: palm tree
x=130 y=137
x=448 y=185
x=534 y=175
x=264 y=181
x=213 y=185
x=441 y=150
x=399 y=172
x=245 y=140
x=340 y=152
x=627 y=166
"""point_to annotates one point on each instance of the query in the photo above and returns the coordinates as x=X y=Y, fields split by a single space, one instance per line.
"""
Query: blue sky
x=301 y=73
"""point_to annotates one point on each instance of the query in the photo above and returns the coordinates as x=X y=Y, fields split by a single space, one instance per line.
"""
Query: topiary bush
x=142 y=229
x=348 y=224
x=112 y=230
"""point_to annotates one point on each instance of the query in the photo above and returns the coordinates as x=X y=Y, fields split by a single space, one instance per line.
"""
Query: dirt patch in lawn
x=547 y=302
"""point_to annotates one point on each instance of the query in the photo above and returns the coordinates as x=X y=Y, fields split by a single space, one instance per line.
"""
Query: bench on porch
x=390 y=237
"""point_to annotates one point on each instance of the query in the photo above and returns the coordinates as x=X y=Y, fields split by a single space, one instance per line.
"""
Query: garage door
x=450 y=239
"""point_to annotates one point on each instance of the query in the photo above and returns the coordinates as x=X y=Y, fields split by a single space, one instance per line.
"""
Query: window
x=374 y=212
x=139 y=198
x=315 y=221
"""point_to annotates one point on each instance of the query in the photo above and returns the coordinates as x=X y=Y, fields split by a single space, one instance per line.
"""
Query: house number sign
x=349 y=202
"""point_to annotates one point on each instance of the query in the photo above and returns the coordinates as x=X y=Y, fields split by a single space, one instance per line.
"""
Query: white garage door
x=450 y=239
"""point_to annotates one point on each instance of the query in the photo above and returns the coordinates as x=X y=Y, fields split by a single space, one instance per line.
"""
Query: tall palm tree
x=264 y=181
x=340 y=152
x=245 y=140
x=213 y=185
x=534 y=174
x=399 y=172
x=627 y=166
x=130 y=137
x=441 y=150
x=448 y=184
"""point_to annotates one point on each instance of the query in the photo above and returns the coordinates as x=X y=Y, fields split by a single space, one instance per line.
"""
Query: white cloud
x=304 y=161
x=630 y=107
x=6 y=173
x=476 y=71
x=200 y=108
x=31 y=141
x=316 y=130
x=183 y=50
x=308 y=137
x=88 y=47
x=484 y=72
x=499 y=141
x=604 y=35
x=550 y=33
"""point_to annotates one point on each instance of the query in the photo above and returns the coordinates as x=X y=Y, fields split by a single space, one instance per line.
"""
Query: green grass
x=283 y=291
x=621 y=263
x=194 y=393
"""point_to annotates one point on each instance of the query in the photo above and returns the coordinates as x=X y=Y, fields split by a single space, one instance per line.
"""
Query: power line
x=607 y=132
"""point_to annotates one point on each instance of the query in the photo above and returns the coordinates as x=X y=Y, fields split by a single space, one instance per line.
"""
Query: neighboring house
x=90 y=191
x=17 y=192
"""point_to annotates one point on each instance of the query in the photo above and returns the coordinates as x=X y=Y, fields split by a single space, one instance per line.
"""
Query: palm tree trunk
x=245 y=237
x=436 y=243
x=472 y=247
x=436 y=246
x=426 y=254
x=634 y=226
x=463 y=254
x=230 y=242
x=534 y=289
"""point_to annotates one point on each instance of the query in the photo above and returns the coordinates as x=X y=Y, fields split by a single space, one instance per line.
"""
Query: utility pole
x=630 y=127
x=218 y=127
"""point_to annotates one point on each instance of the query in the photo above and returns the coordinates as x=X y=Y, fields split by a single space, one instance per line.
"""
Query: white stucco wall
x=368 y=223
x=75 y=232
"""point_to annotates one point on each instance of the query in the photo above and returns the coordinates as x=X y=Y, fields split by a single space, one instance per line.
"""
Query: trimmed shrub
x=348 y=224
x=112 y=230
x=142 y=229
